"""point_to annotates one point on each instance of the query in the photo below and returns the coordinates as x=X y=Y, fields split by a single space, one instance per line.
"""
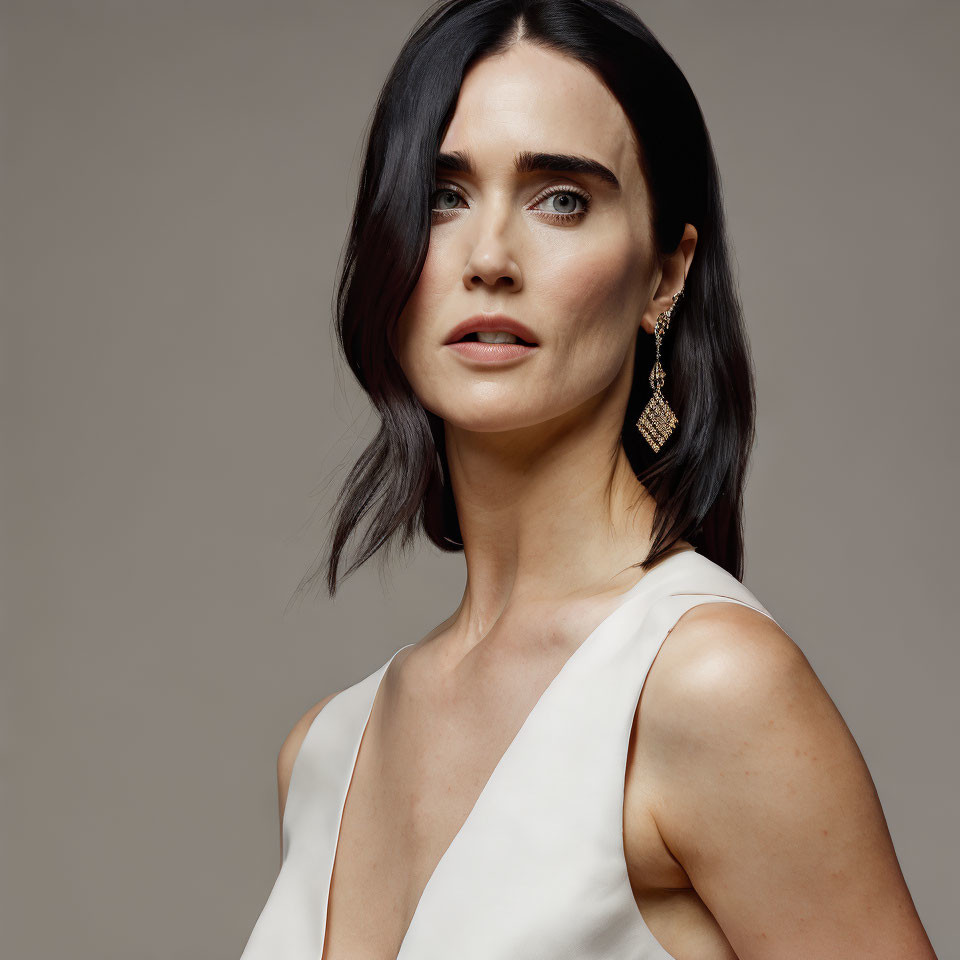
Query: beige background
x=177 y=178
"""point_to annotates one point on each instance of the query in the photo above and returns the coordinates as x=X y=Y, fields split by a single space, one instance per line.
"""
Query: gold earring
x=657 y=421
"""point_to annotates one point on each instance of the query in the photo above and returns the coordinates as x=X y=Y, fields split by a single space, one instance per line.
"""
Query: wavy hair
x=400 y=484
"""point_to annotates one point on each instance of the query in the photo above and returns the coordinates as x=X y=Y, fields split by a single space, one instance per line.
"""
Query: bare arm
x=765 y=798
x=288 y=754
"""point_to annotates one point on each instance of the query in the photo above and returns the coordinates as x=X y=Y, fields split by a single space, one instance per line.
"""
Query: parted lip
x=491 y=321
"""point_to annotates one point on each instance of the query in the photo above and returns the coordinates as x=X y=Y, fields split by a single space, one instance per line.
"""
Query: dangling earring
x=657 y=421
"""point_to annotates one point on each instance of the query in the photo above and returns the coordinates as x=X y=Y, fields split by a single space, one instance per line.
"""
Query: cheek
x=410 y=324
x=425 y=304
x=418 y=333
x=593 y=298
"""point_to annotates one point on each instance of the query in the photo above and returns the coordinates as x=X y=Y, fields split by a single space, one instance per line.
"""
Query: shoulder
x=763 y=796
x=725 y=673
x=290 y=748
x=727 y=651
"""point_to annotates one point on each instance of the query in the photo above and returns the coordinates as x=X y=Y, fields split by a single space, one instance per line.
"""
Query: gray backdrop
x=177 y=178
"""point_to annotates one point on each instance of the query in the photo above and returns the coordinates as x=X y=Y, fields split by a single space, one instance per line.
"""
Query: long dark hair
x=400 y=484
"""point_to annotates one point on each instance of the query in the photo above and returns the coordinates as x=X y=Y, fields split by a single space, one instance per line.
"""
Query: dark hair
x=401 y=479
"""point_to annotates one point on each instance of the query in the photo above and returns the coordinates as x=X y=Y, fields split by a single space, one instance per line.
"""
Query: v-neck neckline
x=626 y=597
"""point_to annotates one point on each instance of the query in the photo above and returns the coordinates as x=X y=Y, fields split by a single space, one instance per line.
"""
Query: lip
x=492 y=321
x=491 y=352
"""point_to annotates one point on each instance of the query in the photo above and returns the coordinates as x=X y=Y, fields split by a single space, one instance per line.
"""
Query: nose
x=490 y=261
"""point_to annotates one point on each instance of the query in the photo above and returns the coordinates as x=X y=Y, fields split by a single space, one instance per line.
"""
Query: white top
x=537 y=871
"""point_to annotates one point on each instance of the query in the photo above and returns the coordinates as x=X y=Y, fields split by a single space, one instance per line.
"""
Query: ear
x=674 y=269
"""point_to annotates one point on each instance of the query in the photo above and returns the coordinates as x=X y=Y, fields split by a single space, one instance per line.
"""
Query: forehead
x=530 y=98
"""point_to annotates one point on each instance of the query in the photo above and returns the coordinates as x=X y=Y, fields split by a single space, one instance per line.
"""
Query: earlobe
x=648 y=320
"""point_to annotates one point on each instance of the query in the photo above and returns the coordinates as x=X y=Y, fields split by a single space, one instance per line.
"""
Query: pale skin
x=752 y=827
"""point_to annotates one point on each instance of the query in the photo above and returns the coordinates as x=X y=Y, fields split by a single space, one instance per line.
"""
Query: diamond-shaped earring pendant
x=657 y=421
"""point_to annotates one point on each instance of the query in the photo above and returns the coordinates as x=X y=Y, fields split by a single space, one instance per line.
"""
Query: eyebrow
x=529 y=162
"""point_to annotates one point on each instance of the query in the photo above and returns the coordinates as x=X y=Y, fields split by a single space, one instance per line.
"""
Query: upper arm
x=765 y=798
x=290 y=748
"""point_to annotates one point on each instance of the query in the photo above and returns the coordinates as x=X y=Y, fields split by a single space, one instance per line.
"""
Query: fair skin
x=752 y=828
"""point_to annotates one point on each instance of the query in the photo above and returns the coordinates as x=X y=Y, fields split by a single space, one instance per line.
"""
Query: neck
x=550 y=512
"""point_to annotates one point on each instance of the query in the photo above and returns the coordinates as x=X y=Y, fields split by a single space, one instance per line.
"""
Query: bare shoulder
x=764 y=797
x=725 y=677
x=723 y=648
x=723 y=669
x=290 y=748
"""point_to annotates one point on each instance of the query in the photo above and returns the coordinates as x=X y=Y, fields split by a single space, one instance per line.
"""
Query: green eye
x=564 y=202
x=443 y=195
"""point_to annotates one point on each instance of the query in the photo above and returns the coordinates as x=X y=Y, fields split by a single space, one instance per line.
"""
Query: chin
x=478 y=420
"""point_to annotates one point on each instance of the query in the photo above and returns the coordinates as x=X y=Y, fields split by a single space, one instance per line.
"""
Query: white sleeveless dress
x=537 y=871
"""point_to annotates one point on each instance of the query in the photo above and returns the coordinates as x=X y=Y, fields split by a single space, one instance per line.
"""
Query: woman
x=538 y=298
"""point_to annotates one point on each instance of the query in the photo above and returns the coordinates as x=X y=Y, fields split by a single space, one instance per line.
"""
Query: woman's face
x=566 y=253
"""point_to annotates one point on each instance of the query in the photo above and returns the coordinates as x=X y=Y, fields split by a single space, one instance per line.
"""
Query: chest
x=426 y=764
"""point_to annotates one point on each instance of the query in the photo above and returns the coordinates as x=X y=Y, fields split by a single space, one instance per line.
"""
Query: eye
x=445 y=193
x=563 y=201
x=562 y=198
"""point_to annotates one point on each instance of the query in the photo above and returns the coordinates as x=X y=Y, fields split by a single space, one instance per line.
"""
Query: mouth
x=495 y=328
x=493 y=336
